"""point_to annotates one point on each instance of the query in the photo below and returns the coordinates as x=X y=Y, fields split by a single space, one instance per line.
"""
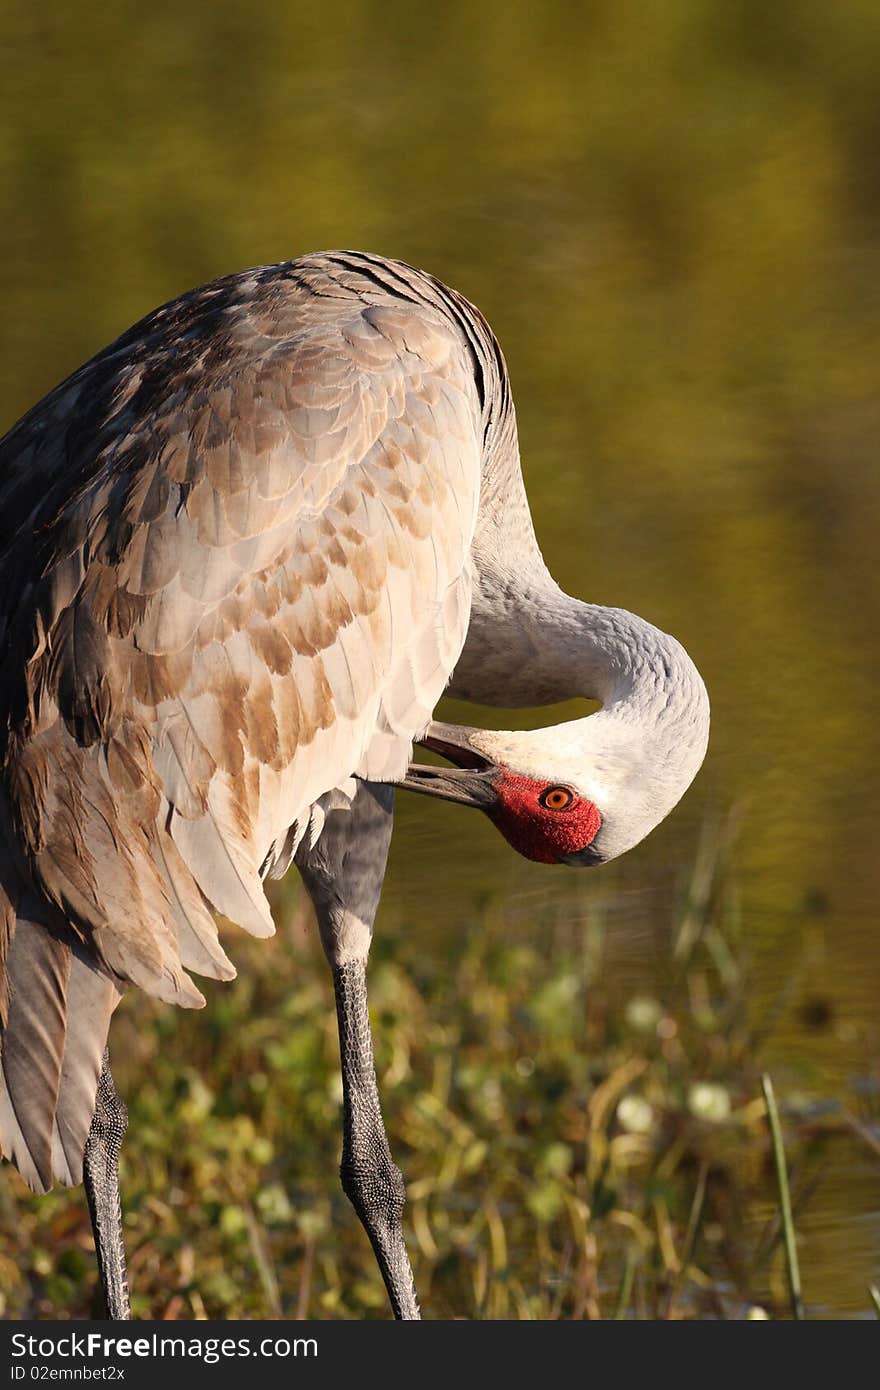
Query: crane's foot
x=378 y=1195
x=101 y=1181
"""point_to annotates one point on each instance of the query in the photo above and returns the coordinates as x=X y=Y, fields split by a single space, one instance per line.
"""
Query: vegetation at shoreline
x=570 y=1152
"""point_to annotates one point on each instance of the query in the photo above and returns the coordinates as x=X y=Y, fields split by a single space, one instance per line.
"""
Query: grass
x=785 y=1213
x=570 y=1152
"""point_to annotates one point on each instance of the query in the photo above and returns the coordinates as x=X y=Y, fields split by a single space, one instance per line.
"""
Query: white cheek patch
x=600 y=793
x=548 y=756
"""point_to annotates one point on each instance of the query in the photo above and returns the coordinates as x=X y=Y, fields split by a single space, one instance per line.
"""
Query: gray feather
x=38 y=966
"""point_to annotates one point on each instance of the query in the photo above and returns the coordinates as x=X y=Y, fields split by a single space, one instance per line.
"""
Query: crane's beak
x=471 y=782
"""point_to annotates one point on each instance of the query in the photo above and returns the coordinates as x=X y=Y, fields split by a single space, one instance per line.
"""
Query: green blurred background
x=669 y=214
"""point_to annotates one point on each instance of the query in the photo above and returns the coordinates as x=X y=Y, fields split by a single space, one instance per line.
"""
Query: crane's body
x=242 y=553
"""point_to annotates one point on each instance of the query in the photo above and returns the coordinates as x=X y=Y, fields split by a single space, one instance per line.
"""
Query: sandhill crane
x=242 y=552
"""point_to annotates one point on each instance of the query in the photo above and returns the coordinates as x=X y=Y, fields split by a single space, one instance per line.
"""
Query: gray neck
x=531 y=644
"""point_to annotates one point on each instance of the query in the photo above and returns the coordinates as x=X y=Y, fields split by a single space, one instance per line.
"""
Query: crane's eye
x=556 y=798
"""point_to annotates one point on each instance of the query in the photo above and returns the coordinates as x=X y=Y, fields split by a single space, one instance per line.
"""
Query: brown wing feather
x=233 y=568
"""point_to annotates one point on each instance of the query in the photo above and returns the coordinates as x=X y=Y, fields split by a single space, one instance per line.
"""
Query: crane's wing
x=233 y=572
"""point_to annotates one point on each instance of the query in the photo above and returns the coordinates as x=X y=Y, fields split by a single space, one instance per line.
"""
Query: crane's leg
x=101 y=1181
x=371 y=1180
x=343 y=873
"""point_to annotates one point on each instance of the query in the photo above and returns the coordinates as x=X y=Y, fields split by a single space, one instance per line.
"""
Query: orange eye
x=556 y=798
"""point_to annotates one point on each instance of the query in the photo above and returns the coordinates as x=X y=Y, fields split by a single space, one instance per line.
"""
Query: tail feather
x=52 y=1042
x=38 y=967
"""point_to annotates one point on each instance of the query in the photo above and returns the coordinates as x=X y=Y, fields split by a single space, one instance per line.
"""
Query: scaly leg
x=343 y=873
x=101 y=1181
x=371 y=1180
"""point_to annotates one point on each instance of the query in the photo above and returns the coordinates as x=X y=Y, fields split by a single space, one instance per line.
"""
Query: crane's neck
x=529 y=643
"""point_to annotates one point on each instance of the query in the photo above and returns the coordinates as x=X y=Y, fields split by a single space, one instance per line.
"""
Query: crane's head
x=578 y=793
